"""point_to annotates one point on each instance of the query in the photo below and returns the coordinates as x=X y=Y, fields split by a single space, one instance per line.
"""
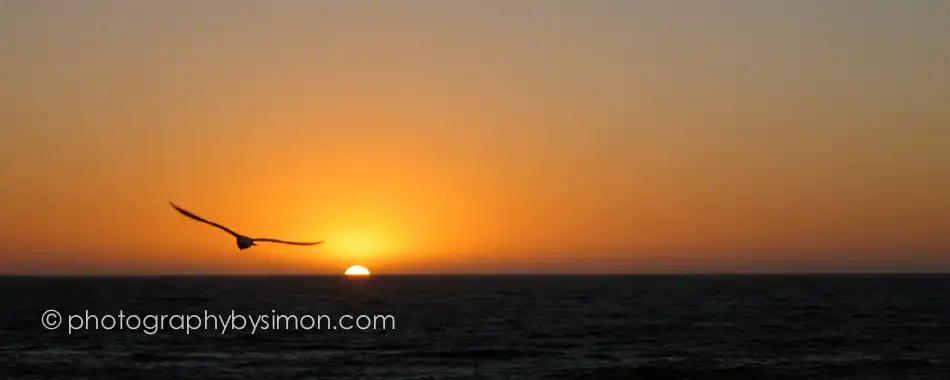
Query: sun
x=356 y=270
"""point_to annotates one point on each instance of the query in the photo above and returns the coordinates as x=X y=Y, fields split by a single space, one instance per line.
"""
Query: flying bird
x=243 y=242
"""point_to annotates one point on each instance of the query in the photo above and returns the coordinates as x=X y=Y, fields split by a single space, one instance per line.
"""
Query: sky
x=475 y=136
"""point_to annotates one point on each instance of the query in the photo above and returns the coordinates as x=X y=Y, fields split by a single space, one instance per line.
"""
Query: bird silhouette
x=243 y=242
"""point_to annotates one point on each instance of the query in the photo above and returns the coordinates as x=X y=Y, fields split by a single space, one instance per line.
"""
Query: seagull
x=243 y=242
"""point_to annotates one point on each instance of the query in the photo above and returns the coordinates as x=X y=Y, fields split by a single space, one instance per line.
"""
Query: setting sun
x=356 y=270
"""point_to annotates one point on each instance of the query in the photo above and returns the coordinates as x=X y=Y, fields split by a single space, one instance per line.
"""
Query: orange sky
x=474 y=137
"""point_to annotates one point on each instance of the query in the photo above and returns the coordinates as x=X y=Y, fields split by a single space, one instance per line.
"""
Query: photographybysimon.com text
x=232 y=321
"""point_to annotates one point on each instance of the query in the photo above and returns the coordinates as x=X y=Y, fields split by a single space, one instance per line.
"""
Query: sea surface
x=493 y=327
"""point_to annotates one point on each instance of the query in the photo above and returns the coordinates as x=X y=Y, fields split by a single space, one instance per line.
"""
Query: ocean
x=463 y=327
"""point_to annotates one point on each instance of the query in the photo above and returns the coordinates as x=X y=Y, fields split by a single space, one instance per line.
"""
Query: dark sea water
x=494 y=327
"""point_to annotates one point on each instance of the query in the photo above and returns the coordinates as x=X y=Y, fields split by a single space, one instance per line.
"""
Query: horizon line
x=525 y=274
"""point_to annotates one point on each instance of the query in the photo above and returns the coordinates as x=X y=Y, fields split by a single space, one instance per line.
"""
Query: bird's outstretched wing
x=288 y=242
x=200 y=219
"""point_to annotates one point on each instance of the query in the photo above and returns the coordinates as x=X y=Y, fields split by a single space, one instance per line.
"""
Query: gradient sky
x=475 y=136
